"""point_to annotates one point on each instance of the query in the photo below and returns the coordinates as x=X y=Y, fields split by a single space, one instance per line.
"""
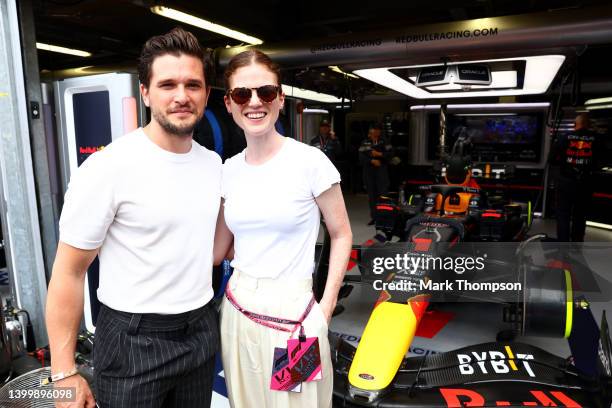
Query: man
x=374 y=155
x=576 y=154
x=327 y=141
x=147 y=205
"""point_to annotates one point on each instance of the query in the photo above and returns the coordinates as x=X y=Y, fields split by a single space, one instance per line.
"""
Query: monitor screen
x=92 y=122
x=499 y=137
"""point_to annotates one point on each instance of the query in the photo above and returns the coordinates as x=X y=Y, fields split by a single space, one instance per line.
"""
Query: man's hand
x=64 y=312
x=332 y=134
x=376 y=153
x=82 y=397
x=375 y=162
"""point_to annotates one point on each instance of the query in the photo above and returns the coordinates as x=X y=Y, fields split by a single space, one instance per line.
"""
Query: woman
x=273 y=192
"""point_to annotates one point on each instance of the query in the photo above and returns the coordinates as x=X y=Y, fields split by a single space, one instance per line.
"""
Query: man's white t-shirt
x=272 y=212
x=153 y=214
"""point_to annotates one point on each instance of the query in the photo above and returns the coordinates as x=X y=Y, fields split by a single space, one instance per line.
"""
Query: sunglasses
x=265 y=93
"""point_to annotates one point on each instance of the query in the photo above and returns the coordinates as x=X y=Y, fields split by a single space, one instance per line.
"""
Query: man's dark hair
x=175 y=42
x=376 y=126
x=582 y=121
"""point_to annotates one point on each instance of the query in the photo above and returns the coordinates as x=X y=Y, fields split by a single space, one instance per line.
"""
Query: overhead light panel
x=481 y=106
x=597 y=107
x=337 y=69
x=311 y=110
x=598 y=101
x=485 y=114
x=62 y=50
x=539 y=74
x=308 y=94
x=599 y=225
x=204 y=24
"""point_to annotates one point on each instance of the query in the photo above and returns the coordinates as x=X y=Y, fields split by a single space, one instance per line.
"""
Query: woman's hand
x=327 y=307
x=331 y=204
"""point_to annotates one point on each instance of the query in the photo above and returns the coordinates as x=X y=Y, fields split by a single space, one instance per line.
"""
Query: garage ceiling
x=114 y=30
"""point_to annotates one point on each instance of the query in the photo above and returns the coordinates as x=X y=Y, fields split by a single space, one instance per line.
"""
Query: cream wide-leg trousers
x=248 y=347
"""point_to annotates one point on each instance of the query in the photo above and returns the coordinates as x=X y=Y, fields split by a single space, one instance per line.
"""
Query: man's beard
x=183 y=130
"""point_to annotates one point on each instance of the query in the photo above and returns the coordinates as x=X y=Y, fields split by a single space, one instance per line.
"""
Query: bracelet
x=59 y=376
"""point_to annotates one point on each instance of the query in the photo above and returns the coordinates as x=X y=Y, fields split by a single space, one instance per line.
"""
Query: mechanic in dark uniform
x=575 y=153
x=374 y=155
x=327 y=141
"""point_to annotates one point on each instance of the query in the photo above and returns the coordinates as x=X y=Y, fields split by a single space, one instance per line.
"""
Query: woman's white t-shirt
x=272 y=212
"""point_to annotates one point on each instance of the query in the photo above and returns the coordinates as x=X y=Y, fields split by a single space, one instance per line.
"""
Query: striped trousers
x=155 y=361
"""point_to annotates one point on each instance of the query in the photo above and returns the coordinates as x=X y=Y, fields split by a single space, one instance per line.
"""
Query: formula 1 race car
x=488 y=374
x=433 y=226
x=471 y=213
x=377 y=372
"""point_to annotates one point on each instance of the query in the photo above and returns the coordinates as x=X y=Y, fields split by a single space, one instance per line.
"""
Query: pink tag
x=304 y=359
x=283 y=379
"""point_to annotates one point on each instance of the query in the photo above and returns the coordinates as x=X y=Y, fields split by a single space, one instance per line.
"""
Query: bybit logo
x=494 y=361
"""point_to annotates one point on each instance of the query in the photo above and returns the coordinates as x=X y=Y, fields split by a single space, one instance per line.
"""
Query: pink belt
x=269 y=321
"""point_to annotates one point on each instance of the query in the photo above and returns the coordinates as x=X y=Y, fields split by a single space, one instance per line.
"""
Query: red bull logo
x=459 y=397
x=89 y=149
x=580 y=144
